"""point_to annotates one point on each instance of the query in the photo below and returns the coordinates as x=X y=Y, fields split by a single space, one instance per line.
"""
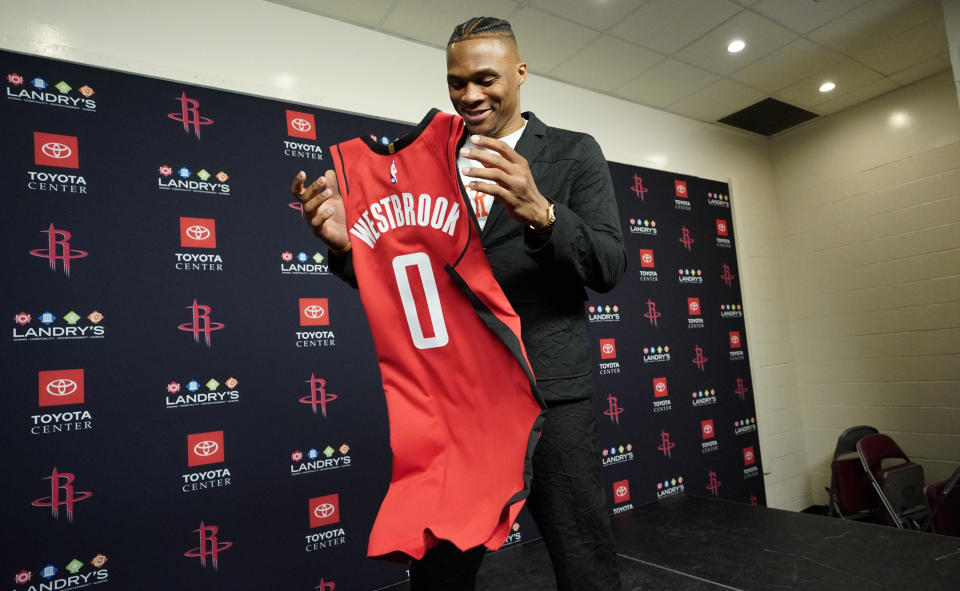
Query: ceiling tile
x=922 y=70
x=407 y=18
x=860 y=95
x=599 y=15
x=870 y=23
x=907 y=49
x=717 y=100
x=368 y=13
x=665 y=83
x=539 y=36
x=804 y=16
x=848 y=75
x=786 y=65
x=606 y=64
x=762 y=37
x=668 y=25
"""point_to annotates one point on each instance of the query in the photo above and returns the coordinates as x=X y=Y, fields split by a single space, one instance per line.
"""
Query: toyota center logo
x=56 y=150
x=50 y=149
x=302 y=125
x=646 y=258
x=608 y=348
x=693 y=306
x=324 y=510
x=621 y=491
x=198 y=233
x=314 y=312
x=660 y=388
x=205 y=448
x=706 y=427
x=681 y=188
x=59 y=387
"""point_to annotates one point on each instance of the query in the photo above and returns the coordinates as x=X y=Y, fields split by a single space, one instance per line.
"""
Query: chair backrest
x=847 y=442
x=875 y=448
x=944 y=499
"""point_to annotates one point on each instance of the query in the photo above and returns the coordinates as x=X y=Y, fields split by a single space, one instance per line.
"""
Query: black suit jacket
x=544 y=277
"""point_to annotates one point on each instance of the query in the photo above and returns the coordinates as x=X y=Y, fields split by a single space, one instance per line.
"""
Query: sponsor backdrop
x=193 y=401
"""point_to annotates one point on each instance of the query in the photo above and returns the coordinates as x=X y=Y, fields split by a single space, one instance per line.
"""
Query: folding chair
x=944 y=499
x=897 y=481
x=850 y=492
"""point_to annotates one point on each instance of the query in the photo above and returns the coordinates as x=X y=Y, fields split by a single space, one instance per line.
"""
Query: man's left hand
x=512 y=183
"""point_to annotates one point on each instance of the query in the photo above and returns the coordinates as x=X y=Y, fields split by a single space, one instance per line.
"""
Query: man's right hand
x=323 y=208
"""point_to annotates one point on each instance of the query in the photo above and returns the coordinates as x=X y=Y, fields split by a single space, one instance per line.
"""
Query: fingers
x=498 y=146
x=486 y=158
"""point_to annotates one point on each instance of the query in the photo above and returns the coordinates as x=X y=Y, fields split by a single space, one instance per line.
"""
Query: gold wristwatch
x=550 y=220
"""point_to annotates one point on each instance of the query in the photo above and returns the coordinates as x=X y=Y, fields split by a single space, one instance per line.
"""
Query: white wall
x=265 y=49
x=870 y=203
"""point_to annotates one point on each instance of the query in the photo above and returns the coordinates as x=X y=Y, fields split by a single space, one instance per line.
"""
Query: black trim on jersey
x=512 y=343
x=403 y=142
x=343 y=167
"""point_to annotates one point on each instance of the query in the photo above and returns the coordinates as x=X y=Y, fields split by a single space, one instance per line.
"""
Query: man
x=550 y=227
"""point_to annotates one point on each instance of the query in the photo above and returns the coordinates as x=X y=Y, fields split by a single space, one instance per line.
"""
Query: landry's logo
x=205 y=448
x=686 y=239
x=656 y=354
x=198 y=233
x=661 y=401
x=670 y=487
x=638 y=188
x=690 y=275
x=643 y=227
x=210 y=546
x=50 y=329
x=666 y=446
x=40 y=92
x=62 y=494
x=303 y=264
x=324 y=511
x=723 y=233
x=727 y=275
x=621 y=494
x=682 y=201
x=193 y=394
x=314 y=312
x=200 y=323
x=704 y=397
x=647 y=265
x=301 y=125
x=652 y=315
x=58 y=249
x=731 y=310
x=189 y=115
x=718 y=200
x=614 y=410
x=318 y=397
x=698 y=358
x=320 y=460
x=73 y=578
x=713 y=483
x=604 y=313
x=741 y=389
x=515 y=537
x=192 y=180
x=61 y=386
x=56 y=151
x=617 y=454
x=694 y=313
x=742 y=426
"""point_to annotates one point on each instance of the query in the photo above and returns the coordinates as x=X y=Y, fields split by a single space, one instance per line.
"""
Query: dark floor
x=691 y=543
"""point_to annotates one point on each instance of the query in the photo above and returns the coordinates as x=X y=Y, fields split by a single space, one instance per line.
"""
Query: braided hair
x=480 y=27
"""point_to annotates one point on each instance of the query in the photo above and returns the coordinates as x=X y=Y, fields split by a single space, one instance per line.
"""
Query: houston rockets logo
x=680 y=188
x=666 y=446
x=660 y=388
x=318 y=395
x=210 y=547
x=706 y=427
x=713 y=485
x=205 y=448
x=698 y=359
x=314 y=312
x=685 y=239
x=613 y=410
x=62 y=494
x=621 y=491
x=200 y=323
x=638 y=188
x=198 y=233
x=693 y=306
x=50 y=149
x=189 y=114
x=741 y=389
x=58 y=249
x=324 y=510
x=325 y=585
x=652 y=315
x=727 y=276
x=301 y=125
x=61 y=386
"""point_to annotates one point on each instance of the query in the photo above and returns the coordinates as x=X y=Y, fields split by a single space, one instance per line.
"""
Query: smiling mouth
x=476 y=115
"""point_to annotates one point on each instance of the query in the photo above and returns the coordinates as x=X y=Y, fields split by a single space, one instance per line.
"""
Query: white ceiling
x=671 y=54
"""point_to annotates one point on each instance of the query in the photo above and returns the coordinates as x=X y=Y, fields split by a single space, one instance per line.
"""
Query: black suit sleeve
x=586 y=236
x=342 y=267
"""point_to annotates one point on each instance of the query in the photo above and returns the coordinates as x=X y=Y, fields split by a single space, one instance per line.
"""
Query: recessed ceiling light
x=736 y=46
x=827 y=86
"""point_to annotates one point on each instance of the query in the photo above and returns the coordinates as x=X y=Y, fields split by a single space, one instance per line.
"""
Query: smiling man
x=544 y=201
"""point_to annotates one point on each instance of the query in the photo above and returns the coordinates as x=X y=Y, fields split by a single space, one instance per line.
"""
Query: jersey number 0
x=421 y=261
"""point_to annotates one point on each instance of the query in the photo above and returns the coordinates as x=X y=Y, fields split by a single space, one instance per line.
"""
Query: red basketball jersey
x=463 y=408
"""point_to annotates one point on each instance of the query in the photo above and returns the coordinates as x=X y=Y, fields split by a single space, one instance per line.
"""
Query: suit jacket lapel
x=529 y=146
